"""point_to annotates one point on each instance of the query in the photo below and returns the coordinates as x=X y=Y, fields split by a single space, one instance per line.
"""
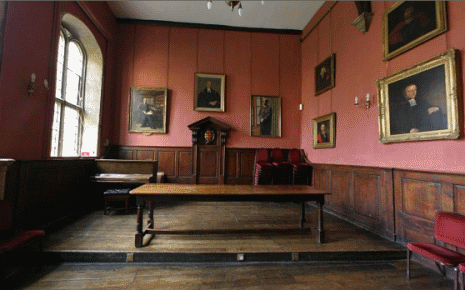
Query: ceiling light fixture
x=231 y=4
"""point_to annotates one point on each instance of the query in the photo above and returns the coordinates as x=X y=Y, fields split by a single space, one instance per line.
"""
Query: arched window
x=69 y=97
x=76 y=117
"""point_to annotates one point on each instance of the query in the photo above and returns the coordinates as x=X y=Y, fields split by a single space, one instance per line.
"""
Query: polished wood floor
x=288 y=276
x=96 y=232
x=95 y=237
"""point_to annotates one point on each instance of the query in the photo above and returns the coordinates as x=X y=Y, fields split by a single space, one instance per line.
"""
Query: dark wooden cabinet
x=209 y=151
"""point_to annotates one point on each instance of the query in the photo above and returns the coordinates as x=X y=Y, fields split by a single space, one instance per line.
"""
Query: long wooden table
x=152 y=192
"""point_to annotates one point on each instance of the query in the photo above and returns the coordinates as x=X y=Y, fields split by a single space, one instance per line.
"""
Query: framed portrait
x=3 y=7
x=265 y=116
x=209 y=92
x=409 y=23
x=147 y=110
x=324 y=75
x=324 y=131
x=420 y=102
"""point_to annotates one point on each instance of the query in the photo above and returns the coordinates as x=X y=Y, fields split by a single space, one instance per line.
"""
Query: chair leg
x=462 y=285
x=456 y=278
x=105 y=209
x=408 y=264
x=127 y=205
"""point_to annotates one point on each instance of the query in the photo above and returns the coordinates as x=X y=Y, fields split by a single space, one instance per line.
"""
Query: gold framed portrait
x=409 y=23
x=420 y=102
x=324 y=131
x=324 y=75
x=209 y=92
x=147 y=110
x=265 y=116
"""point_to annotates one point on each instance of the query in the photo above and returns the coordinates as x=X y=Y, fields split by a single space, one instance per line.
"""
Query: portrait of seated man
x=415 y=114
x=208 y=97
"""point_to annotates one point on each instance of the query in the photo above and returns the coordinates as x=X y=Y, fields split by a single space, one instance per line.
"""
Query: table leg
x=139 y=234
x=302 y=215
x=320 y=233
x=150 y=222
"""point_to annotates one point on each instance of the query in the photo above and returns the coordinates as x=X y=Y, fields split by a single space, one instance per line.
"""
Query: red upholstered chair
x=263 y=170
x=449 y=228
x=12 y=240
x=300 y=170
x=282 y=169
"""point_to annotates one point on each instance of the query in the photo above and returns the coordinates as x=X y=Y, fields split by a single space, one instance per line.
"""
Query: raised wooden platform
x=99 y=238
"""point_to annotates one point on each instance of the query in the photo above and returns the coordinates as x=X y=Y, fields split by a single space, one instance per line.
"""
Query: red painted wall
x=254 y=64
x=358 y=64
x=30 y=47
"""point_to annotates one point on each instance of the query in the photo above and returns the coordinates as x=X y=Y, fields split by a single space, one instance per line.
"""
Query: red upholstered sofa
x=11 y=240
x=450 y=229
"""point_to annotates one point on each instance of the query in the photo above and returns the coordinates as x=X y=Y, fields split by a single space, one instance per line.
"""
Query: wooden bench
x=117 y=171
x=12 y=240
x=450 y=229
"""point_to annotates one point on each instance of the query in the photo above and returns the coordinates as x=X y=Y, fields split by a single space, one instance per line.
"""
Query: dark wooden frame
x=440 y=19
x=328 y=67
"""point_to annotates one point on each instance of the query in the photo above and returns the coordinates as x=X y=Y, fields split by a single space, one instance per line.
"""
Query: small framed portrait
x=147 y=110
x=409 y=23
x=420 y=103
x=324 y=131
x=265 y=116
x=209 y=92
x=324 y=75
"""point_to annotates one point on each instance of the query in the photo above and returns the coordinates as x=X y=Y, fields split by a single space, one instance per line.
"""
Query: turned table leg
x=302 y=215
x=320 y=233
x=150 y=222
x=139 y=234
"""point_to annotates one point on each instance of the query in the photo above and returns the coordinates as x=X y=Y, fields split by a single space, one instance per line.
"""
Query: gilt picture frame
x=409 y=23
x=324 y=75
x=420 y=102
x=265 y=116
x=324 y=131
x=209 y=90
x=148 y=110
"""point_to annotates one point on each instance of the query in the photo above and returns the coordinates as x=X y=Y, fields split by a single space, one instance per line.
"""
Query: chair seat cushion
x=300 y=164
x=117 y=191
x=437 y=253
x=264 y=165
x=19 y=238
x=282 y=164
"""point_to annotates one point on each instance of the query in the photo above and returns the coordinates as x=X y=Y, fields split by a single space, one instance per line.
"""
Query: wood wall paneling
x=361 y=195
x=167 y=162
x=185 y=163
x=419 y=196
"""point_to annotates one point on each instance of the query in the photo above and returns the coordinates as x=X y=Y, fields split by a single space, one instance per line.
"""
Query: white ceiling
x=272 y=14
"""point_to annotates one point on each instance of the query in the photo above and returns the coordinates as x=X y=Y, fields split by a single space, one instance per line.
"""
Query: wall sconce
x=46 y=85
x=367 y=102
x=32 y=83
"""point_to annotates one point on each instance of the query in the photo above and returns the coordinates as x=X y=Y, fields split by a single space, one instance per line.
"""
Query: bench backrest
x=127 y=166
x=450 y=228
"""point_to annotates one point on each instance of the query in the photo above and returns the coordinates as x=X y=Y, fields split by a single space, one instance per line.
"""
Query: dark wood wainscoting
x=361 y=195
x=44 y=191
x=176 y=162
x=419 y=195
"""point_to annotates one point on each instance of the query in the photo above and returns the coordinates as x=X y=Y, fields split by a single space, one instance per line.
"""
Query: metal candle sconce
x=367 y=102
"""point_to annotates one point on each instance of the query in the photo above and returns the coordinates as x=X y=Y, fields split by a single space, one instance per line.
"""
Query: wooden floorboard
x=114 y=233
x=334 y=276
